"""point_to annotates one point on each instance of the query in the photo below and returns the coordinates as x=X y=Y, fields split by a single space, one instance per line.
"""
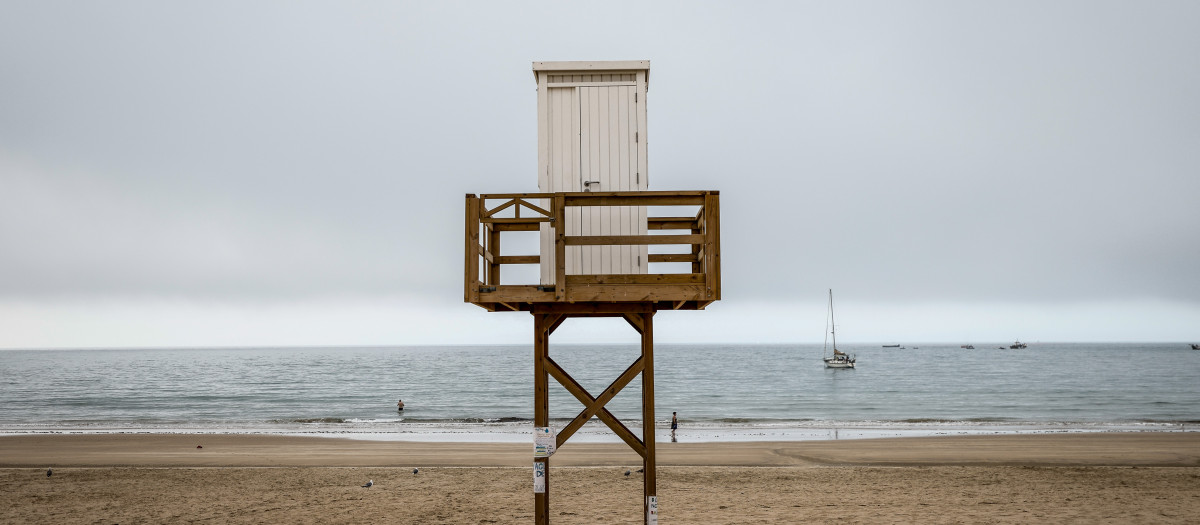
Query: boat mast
x=832 y=322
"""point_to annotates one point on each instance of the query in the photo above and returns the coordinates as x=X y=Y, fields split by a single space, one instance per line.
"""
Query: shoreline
x=596 y=432
x=1163 y=449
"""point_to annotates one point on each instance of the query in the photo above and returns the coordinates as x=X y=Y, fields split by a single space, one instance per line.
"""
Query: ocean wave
x=389 y=420
x=307 y=420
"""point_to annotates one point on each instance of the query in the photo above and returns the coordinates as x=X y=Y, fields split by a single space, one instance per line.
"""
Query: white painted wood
x=591 y=137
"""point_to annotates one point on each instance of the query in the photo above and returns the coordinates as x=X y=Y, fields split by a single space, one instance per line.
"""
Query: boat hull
x=831 y=362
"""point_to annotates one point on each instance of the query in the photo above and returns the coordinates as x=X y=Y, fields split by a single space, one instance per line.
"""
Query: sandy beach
x=147 y=478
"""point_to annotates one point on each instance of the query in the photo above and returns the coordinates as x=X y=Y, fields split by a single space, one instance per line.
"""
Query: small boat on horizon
x=1018 y=345
x=968 y=347
x=1195 y=347
x=891 y=346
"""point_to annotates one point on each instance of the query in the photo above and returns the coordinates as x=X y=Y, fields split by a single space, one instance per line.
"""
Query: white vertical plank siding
x=571 y=176
x=624 y=137
x=613 y=171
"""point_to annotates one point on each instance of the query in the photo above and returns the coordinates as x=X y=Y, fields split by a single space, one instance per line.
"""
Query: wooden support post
x=650 y=479
x=541 y=406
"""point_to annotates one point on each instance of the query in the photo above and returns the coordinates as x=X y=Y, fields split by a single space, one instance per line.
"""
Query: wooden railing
x=694 y=286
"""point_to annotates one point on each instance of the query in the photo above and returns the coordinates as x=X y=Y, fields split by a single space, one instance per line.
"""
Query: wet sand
x=143 y=478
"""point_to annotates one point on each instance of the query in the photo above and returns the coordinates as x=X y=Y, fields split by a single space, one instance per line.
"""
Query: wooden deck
x=696 y=237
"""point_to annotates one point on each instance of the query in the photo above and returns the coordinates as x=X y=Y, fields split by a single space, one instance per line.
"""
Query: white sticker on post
x=544 y=442
x=539 y=477
x=651 y=510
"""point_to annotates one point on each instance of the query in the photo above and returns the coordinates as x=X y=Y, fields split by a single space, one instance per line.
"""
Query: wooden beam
x=616 y=309
x=649 y=278
x=636 y=293
x=553 y=322
x=592 y=299
x=514 y=293
x=516 y=227
x=534 y=207
x=637 y=199
x=671 y=223
x=674 y=257
x=594 y=406
x=488 y=213
x=514 y=220
x=518 y=259
x=509 y=196
x=593 y=240
x=635 y=320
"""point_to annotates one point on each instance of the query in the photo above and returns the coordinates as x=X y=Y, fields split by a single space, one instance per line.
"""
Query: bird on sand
x=369 y=484
x=415 y=471
x=626 y=472
x=641 y=470
x=49 y=472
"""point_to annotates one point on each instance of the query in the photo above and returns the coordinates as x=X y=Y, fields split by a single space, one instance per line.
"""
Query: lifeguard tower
x=608 y=247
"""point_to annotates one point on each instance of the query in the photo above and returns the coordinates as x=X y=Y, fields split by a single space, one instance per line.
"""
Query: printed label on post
x=539 y=477
x=544 y=441
x=651 y=510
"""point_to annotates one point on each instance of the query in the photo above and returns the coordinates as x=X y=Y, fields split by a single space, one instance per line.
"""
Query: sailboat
x=839 y=359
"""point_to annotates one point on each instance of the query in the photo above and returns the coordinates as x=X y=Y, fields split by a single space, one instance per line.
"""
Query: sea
x=719 y=392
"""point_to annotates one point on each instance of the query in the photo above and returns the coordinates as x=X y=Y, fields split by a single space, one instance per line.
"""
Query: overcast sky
x=292 y=173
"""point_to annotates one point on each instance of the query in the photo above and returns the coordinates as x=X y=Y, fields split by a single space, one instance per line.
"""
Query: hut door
x=608 y=161
x=593 y=145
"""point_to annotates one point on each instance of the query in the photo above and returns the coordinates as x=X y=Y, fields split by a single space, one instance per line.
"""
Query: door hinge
x=636 y=139
x=635 y=97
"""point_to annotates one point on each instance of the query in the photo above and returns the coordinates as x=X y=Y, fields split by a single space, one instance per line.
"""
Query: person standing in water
x=674 y=423
x=400 y=405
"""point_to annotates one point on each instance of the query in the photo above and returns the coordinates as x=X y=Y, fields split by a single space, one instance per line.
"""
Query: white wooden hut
x=592 y=137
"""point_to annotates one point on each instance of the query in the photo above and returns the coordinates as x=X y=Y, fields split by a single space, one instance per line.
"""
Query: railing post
x=493 y=246
x=712 y=245
x=471 y=266
x=560 y=247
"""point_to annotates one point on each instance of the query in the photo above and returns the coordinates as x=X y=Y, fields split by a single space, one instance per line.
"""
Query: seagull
x=626 y=472
x=641 y=470
x=49 y=472
x=415 y=471
x=369 y=483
